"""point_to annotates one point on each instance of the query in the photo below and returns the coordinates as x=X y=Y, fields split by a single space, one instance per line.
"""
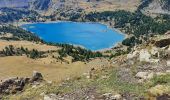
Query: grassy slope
x=52 y=69
x=97 y=85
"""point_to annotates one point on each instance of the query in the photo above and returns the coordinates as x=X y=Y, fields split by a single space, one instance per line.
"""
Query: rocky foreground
x=15 y=84
x=142 y=74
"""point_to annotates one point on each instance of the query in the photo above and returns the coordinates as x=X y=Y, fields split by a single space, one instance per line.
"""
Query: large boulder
x=110 y=96
x=144 y=75
x=168 y=63
x=52 y=97
x=144 y=55
x=116 y=97
x=155 y=51
x=36 y=76
x=132 y=55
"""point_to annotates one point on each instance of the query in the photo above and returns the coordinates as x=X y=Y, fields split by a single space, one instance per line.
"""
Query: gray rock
x=167 y=71
x=116 y=97
x=13 y=85
x=168 y=63
x=142 y=75
x=36 y=76
x=52 y=97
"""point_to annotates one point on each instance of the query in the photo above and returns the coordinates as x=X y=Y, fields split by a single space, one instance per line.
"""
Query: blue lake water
x=92 y=36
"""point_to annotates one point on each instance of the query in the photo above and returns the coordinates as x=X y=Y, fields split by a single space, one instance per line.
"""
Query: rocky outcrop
x=106 y=96
x=41 y=4
x=36 y=76
x=14 y=85
x=162 y=43
x=158 y=7
x=144 y=55
x=165 y=5
x=144 y=75
x=168 y=63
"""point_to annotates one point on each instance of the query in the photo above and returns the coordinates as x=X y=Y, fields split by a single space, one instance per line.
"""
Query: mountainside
x=138 y=68
x=31 y=4
x=88 y=5
x=158 y=7
x=41 y=4
x=14 y=3
x=50 y=6
x=166 y=5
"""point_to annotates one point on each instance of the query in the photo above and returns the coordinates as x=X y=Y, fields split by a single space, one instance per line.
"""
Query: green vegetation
x=11 y=51
x=35 y=54
x=137 y=23
x=18 y=33
x=162 y=79
x=115 y=84
x=78 y=53
x=131 y=41
x=119 y=52
x=11 y=15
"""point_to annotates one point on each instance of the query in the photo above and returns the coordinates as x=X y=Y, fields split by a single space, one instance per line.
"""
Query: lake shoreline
x=102 y=23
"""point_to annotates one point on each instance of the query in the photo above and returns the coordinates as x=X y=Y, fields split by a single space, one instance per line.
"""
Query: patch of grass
x=114 y=84
x=162 y=79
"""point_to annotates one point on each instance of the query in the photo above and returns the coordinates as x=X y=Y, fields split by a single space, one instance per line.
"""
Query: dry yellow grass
x=110 y=5
x=27 y=44
x=51 y=68
x=102 y=5
x=21 y=66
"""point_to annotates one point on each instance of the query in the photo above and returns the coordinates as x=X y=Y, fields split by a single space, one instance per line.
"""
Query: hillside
x=158 y=7
x=31 y=4
x=144 y=74
x=138 y=68
x=90 y=5
x=50 y=6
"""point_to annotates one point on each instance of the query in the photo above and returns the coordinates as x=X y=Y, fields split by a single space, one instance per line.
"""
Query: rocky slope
x=14 y=3
x=144 y=74
x=74 y=4
x=31 y=4
x=158 y=7
x=124 y=73
x=152 y=6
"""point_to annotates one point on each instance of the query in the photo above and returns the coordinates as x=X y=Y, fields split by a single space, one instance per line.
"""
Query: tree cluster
x=18 y=33
x=11 y=51
x=78 y=53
